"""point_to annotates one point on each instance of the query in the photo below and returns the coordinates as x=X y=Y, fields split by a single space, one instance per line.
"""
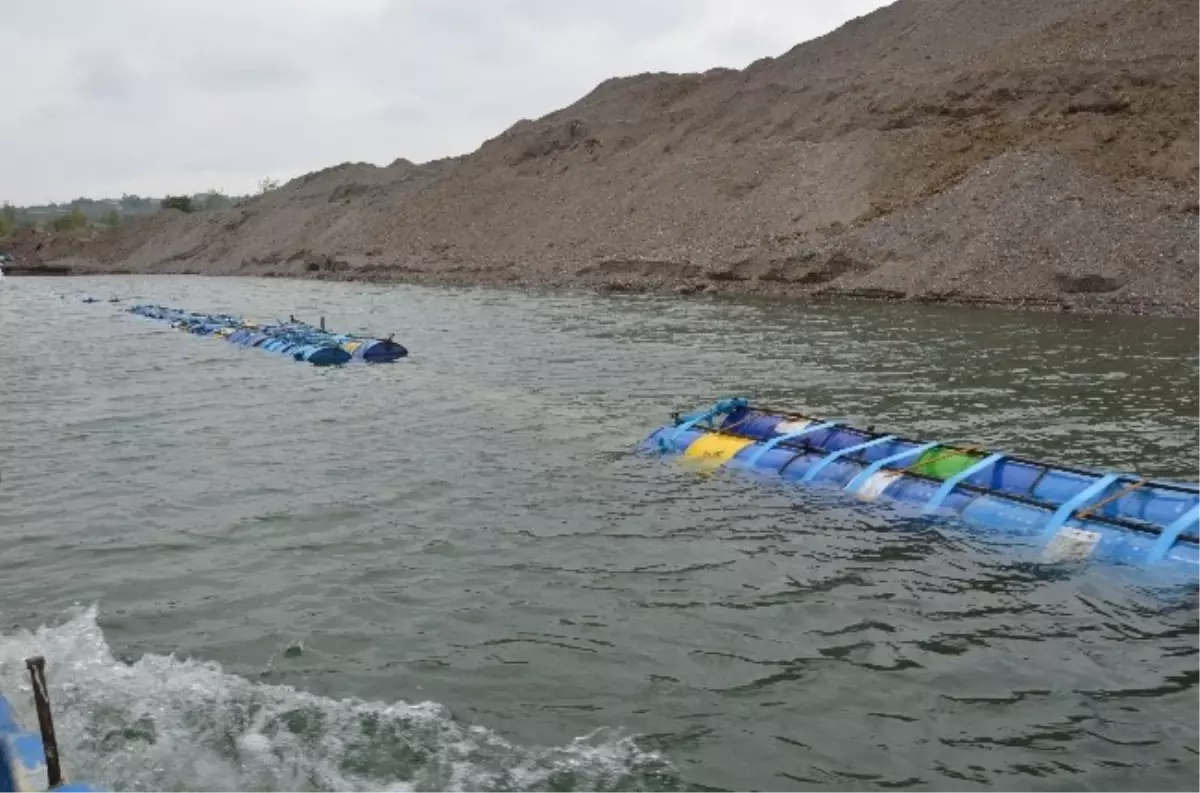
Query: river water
x=455 y=572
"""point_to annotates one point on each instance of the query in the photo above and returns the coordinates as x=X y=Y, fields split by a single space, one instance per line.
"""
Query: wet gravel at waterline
x=453 y=572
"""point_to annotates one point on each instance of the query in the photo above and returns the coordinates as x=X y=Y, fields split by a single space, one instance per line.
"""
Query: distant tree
x=213 y=199
x=132 y=204
x=181 y=202
x=112 y=219
x=8 y=219
x=75 y=219
x=267 y=184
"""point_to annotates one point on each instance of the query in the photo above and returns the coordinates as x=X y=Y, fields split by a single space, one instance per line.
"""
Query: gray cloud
x=149 y=97
x=239 y=72
x=105 y=76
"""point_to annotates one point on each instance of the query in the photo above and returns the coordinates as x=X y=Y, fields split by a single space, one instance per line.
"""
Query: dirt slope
x=1013 y=151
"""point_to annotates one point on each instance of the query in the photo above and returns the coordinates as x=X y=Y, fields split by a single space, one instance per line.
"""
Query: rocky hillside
x=1006 y=151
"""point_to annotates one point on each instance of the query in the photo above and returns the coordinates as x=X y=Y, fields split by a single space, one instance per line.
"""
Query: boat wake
x=161 y=723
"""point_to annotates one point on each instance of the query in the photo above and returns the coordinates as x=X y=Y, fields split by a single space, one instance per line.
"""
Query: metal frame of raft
x=298 y=340
x=1073 y=512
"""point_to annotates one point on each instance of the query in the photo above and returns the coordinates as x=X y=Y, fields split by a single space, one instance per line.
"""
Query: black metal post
x=41 y=700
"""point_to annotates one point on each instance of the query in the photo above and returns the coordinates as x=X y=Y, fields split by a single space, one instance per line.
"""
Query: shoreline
x=1070 y=304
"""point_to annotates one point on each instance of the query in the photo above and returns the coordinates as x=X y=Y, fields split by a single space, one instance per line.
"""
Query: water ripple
x=469 y=537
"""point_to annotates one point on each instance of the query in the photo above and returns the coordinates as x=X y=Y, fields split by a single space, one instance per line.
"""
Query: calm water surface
x=453 y=572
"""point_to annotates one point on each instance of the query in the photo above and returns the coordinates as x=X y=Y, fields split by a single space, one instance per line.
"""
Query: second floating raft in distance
x=293 y=338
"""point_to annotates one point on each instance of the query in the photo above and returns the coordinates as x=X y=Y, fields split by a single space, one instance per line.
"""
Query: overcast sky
x=151 y=97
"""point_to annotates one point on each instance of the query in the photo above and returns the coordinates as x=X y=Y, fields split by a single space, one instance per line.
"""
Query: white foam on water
x=162 y=723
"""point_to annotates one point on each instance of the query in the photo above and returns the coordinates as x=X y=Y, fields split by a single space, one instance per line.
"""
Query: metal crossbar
x=1173 y=532
x=1068 y=507
x=948 y=451
x=811 y=473
x=951 y=482
x=1104 y=502
x=866 y=473
x=811 y=429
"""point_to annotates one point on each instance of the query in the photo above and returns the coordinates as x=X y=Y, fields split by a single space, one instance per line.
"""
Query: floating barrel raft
x=293 y=338
x=1074 y=513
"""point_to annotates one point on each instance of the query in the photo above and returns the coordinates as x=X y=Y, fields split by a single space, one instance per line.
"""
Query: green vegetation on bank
x=8 y=220
x=103 y=213
x=112 y=212
x=75 y=219
x=181 y=202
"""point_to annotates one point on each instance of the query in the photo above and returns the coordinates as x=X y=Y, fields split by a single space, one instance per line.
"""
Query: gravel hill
x=998 y=151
